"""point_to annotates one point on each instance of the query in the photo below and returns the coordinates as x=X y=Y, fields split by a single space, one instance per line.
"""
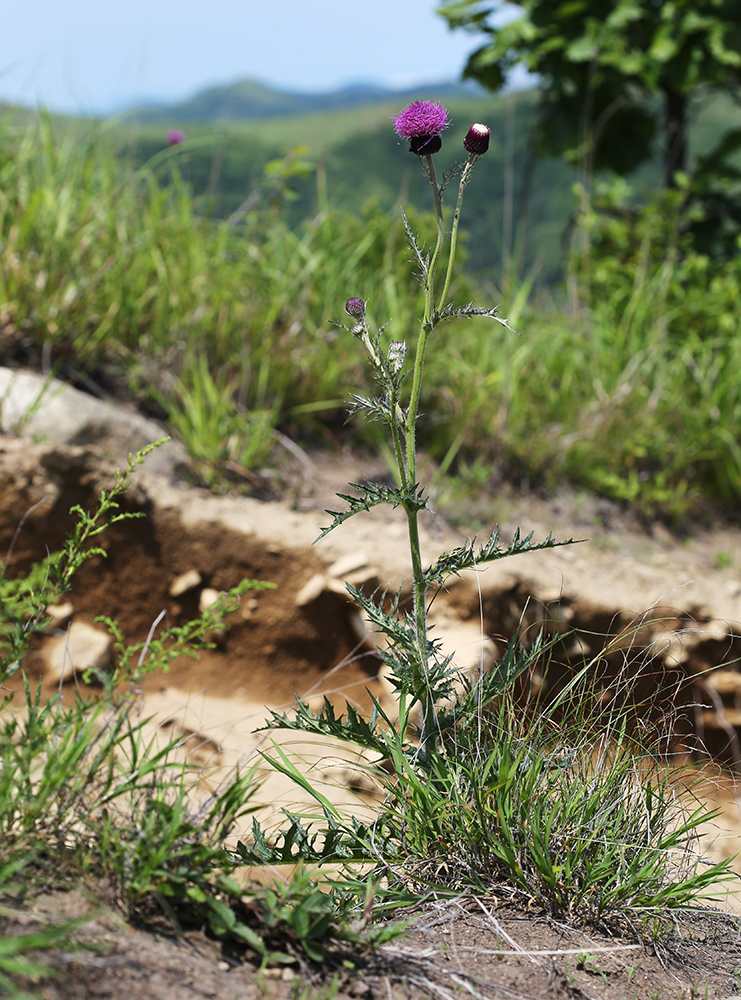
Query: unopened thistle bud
x=477 y=139
x=355 y=308
x=397 y=355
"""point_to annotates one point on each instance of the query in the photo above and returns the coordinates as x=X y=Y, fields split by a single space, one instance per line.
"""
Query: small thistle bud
x=174 y=137
x=477 y=139
x=355 y=308
x=397 y=355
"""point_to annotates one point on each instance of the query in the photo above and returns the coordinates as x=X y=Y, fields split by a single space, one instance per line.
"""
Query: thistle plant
x=547 y=800
x=418 y=670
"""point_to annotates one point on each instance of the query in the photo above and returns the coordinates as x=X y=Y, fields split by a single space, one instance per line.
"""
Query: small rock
x=359 y=988
x=60 y=614
x=208 y=597
x=361 y=576
x=311 y=590
x=347 y=564
x=359 y=626
x=716 y=629
x=81 y=648
x=724 y=681
x=731 y=717
x=551 y=595
x=185 y=582
x=248 y=608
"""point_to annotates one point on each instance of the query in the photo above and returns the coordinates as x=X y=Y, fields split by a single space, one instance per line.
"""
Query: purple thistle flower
x=174 y=137
x=355 y=308
x=421 y=123
x=477 y=139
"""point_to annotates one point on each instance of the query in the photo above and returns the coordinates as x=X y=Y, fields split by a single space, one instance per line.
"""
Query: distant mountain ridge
x=249 y=99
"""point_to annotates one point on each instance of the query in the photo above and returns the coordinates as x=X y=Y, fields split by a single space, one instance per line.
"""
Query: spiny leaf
x=465 y=557
x=463 y=312
x=372 y=495
x=448 y=175
x=422 y=259
x=389 y=622
x=378 y=407
x=353 y=728
x=301 y=844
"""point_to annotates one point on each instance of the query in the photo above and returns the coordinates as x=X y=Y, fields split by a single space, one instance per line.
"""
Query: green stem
x=412 y=412
x=396 y=421
x=454 y=234
x=428 y=741
x=420 y=669
x=429 y=168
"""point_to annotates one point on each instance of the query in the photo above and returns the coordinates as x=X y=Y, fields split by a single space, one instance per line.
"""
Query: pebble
x=185 y=582
x=208 y=597
x=60 y=614
x=81 y=648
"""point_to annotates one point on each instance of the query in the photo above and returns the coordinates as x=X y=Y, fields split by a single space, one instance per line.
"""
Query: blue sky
x=88 y=55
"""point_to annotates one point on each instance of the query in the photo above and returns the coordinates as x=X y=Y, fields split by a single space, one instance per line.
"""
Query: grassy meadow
x=202 y=280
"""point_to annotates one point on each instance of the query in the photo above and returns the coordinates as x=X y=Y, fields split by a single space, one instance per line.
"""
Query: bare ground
x=487 y=947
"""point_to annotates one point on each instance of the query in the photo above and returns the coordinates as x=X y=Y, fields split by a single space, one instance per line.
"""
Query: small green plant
x=588 y=963
x=25 y=599
x=89 y=788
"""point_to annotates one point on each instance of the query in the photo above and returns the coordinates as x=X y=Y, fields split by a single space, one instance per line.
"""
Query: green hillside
x=520 y=207
x=359 y=158
x=251 y=99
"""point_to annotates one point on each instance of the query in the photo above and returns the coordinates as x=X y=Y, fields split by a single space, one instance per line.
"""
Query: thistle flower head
x=174 y=137
x=355 y=308
x=421 y=123
x=477 y=139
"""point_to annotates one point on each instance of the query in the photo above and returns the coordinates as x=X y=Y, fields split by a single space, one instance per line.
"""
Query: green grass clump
x=583 y=823
x=566 y=805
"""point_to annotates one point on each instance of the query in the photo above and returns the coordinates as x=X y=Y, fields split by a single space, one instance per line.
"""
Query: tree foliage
x=617 y=74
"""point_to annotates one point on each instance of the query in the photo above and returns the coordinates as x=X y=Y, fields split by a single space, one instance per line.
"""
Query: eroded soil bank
x=658 y=616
